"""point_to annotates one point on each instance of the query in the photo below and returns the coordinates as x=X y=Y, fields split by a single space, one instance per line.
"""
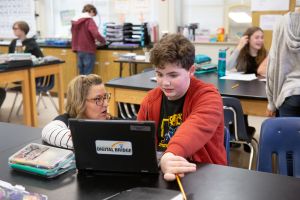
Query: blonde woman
x=86 y=99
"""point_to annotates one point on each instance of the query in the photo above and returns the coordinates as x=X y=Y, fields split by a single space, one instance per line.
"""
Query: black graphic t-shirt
x=170 y=120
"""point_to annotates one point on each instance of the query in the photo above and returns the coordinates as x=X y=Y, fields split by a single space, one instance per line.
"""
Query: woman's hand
x=172 y=165
x=243 y=42
x=270 y=113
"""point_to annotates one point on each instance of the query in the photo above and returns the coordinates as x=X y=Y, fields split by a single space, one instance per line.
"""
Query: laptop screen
x=114 y=145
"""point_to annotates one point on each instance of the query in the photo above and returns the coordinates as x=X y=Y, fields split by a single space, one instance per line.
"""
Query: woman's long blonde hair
x=78 y=90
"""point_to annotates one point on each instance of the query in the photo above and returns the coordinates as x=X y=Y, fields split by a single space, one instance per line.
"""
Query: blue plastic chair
x=227 y=144
x=280 y=137
x=234 y=115
x=43 y=85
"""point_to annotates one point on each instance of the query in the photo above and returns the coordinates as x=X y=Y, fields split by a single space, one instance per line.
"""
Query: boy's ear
x=192 y=70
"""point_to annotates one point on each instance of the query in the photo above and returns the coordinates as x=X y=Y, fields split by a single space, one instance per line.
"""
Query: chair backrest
x=45 y=83
x=280 y=137
x=227 y=144
x=233 y=114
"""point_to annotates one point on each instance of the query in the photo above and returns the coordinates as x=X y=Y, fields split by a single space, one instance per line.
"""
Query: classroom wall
x=57 y=14
x=169 y=14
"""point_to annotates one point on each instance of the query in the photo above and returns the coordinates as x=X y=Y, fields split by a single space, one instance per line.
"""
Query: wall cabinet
x=104 y=65
x=3 y=49
x=108 y=69
x=70 y=65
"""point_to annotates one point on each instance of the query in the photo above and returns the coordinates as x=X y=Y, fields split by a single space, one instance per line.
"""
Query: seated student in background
x=86 y=99
x=188 y=113
x=250 y=54
x=283 y=72
x=29 y=45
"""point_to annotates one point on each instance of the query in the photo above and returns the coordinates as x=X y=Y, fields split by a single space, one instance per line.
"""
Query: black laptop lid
x=114 y=145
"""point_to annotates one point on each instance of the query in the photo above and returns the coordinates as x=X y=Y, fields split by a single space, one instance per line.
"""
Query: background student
x=29 y=45
x=188 y=112
x=87 y=99
x=283 y=72
x=250 y=54
x=84 y=33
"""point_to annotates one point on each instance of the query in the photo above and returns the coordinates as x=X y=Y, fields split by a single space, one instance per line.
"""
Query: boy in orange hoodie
x=188 y=112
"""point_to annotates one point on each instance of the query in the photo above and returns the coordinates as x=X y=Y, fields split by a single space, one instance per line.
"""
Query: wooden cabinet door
x=105 y=65
x=69 y=67
x=3 y=49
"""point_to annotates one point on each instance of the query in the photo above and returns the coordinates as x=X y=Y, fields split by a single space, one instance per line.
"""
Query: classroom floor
x=238 y=158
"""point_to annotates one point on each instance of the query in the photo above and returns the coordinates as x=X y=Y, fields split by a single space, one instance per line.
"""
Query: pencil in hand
x=180 y=187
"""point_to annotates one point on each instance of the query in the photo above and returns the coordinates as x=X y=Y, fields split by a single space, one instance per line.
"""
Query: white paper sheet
x=239 y=76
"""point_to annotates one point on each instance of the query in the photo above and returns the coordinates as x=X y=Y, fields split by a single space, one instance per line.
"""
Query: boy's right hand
x=243 y=41
x=172 y=165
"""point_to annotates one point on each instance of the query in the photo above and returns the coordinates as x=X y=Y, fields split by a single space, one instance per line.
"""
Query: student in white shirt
x=87 y=99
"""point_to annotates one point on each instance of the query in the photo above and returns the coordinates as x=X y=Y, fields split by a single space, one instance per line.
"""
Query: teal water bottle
x=222 y=63
x=142 y=39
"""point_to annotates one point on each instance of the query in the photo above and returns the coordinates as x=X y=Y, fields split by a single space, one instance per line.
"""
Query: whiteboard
x=270 y=5
x=16 y=10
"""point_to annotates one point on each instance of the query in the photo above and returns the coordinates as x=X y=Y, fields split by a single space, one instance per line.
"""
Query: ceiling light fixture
x=240 y=17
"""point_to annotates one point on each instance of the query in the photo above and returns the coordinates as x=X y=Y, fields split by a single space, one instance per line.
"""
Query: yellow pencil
x=180 y=187
x=235 y=86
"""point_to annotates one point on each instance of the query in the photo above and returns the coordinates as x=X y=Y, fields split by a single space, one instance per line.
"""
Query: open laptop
x=114 y=145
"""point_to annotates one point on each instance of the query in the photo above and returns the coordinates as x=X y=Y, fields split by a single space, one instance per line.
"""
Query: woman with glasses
x=86 y=99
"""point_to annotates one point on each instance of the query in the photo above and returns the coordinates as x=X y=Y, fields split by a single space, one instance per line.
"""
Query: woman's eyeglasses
x=100 y=100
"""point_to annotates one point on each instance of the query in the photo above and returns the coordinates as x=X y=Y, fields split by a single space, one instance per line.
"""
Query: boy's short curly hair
x=173 y=48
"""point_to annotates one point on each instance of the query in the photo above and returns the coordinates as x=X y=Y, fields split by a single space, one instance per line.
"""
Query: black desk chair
x=279 y=146
x=234 y=117
x=227 y=144
x=43 y=85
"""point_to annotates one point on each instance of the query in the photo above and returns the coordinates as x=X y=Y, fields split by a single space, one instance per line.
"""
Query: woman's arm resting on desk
x=262 y=68
x=171 y=165
x=58 y=134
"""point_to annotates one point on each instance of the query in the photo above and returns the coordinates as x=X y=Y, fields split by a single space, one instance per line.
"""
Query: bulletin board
x=16 y=10
x=256 y=17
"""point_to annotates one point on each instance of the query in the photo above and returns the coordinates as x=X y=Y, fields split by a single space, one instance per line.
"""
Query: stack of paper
x=127 y=56
x=239 y=76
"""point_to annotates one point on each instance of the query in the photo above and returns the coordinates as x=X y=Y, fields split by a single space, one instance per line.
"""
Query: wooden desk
x=207 y=183
x=132 y=65
x=44 y=70
x=27 y=75
x=133 y=89
x=20 y=74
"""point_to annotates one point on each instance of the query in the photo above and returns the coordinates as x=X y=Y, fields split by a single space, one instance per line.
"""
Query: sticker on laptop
x=113 y=147
x=140 y=128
